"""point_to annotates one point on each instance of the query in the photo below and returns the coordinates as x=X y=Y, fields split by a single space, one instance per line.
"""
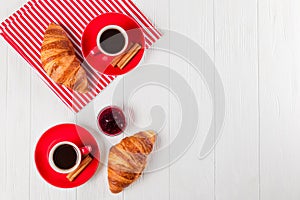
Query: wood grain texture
x=17 y=143
x=279 y=80
x=237 y=153
x=15 y=121
x=3 y=119
x=191 y=178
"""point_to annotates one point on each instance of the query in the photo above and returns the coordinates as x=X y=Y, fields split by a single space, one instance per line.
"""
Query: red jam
x=111 y=121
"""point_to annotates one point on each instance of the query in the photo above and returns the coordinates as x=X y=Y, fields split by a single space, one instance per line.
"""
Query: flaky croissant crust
x=128 y=159
x=59 y=60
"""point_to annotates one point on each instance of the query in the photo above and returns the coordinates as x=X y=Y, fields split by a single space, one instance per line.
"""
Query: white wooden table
x=256 y=48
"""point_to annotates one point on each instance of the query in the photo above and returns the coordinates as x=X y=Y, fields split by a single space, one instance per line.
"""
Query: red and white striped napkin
x=25 y=28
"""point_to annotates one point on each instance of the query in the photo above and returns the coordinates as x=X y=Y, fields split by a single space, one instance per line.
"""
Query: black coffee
x=112 y=41
x=65 y=156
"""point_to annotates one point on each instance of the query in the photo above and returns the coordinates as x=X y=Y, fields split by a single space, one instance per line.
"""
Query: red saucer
x=102 y=62
x=65 y=132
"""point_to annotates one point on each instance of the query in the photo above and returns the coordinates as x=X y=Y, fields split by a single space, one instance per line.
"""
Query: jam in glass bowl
x=111 y=120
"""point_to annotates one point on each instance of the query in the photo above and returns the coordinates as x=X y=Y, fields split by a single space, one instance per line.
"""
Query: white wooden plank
x=158 y=181
x=15 y=120
x=279 y=91
x=3 y=118
x=237 y=160
x=4 y=191
x=191 y=178
x=17 y=124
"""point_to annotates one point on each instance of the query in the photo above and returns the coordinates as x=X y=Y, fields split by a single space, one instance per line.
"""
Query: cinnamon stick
x=131 y=56
x=131 y=53
x=84 y=163
x=118 y=58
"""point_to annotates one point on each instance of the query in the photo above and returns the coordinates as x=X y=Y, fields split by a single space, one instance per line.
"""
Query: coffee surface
x=65 y=156
x=112 y=41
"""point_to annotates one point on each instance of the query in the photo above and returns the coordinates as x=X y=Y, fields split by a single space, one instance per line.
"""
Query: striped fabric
x=25 y=28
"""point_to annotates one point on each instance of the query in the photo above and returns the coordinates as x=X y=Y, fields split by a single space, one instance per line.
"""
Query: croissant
x=128 y=159
x=60 y=62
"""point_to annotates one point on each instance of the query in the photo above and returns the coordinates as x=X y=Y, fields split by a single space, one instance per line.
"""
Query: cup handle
x=85 y=150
